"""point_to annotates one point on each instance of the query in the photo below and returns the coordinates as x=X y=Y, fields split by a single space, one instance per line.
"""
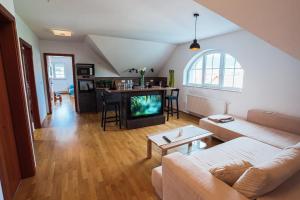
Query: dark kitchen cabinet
x=87 y=102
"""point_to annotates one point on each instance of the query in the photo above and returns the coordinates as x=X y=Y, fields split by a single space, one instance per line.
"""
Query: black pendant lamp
x=195 y=45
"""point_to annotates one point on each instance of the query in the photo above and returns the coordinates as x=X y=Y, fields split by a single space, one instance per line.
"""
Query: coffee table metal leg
x=190 y=147
x=149 y=149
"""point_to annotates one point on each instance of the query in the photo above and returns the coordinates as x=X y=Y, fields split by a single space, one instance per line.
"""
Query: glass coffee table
x=176 y=137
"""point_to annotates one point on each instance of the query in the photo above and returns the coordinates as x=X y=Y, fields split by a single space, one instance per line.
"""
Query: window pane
x=208 y=76
x=228 y=77
x=215 y=76
x=216 y=60
x=209 y=61
x=229 y=61
x=198 y=64
x=238 y=78
x=231 y=70
x=59 y=71
x=198 y=76
x=191 y=76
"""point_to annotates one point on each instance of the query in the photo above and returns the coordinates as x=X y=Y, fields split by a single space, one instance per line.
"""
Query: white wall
x=60 y=85
x=277 y=22
x=83 y=54
x=26 y=34
x=271 y=76
x=125 y=54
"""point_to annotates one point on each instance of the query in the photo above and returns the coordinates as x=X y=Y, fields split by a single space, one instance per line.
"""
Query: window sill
x=214 y=88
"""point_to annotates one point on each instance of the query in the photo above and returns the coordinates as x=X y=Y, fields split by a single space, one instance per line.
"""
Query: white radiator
x=205 y=106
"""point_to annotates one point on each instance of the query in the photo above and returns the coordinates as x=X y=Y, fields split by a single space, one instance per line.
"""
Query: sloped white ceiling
x=124 y=54
x=168 y=21
x=276 y=22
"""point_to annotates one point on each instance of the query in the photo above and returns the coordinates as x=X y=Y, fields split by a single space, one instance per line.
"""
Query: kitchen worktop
x=140 y=89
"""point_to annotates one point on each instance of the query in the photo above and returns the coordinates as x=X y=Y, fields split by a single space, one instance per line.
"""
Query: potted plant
x=142 y=78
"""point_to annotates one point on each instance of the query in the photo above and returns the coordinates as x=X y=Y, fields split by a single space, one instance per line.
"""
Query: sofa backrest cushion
x=230 y=171
x=275 y=120
x=266 y=177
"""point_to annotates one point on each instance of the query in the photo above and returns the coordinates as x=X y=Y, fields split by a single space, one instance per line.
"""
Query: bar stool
x=108 y=105
x=170 y=98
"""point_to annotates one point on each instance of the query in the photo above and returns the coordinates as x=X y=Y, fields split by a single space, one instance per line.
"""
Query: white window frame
x=54 y=74
x=221 y=72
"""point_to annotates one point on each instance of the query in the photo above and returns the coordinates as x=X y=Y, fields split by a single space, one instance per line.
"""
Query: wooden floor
x=77 y=160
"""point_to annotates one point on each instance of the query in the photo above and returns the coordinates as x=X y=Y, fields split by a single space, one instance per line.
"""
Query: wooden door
x=9 y=165
x=30 y=86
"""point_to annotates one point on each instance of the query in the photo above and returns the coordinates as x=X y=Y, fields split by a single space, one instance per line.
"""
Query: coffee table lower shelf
x=164 y=148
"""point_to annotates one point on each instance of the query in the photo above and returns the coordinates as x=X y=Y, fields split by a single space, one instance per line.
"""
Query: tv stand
x=143 y=122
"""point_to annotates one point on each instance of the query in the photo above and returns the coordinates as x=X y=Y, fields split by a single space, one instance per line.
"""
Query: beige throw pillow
x=263 y=178
x=229 y=172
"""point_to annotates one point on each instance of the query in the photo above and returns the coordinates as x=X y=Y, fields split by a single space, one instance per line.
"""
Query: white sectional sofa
x=267 y=134
x=272 y=128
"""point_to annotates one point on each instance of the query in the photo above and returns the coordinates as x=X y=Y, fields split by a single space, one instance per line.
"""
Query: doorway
x=30 y=86
x=16 y=147
x=60 y=81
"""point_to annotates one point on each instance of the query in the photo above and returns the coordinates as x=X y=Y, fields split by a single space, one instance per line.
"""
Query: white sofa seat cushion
x=242 y=148
x=266 y=177
x=239 y=127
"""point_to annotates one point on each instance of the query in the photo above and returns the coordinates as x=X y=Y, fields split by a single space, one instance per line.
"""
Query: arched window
x=214 y=69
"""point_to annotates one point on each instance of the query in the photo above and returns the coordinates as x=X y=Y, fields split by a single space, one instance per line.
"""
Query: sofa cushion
x=239 y=127
x=242 y=148
x=266 y=177
x=289 y=190
x=230 y=172
x=275 y=120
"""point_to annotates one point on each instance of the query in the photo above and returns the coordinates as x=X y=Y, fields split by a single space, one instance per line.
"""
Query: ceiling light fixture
x=195 y=45
x=62 y=33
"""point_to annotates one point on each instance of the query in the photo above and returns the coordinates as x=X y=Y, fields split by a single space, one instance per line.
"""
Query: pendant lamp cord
x=196 y=27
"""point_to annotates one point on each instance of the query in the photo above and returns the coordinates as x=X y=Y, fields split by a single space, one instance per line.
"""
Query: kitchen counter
x=139 y=90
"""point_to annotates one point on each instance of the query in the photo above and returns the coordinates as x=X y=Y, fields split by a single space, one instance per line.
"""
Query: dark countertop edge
x=136 y=90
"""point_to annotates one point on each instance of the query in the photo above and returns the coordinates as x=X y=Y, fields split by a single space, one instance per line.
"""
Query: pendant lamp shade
x=195 y=45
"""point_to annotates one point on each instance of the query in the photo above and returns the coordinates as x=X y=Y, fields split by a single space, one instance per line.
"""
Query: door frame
x=31 y=78
x=47 y=78
x=17 y=100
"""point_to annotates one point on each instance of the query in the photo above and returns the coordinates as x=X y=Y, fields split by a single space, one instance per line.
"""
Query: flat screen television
x=145 y=105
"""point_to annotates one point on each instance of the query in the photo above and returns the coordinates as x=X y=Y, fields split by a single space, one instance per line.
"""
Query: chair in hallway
x=109 y=103
x=169 y=99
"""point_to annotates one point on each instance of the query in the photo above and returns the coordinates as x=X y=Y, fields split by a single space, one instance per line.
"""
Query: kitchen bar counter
x=140 y=107
x=155 y=88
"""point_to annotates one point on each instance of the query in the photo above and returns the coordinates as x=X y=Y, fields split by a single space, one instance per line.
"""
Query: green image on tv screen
x=145 y=105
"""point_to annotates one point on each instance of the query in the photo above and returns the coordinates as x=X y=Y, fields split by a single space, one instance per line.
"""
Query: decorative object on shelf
x=171 y=78
x=195 y=45
x=133 y=70
x=142 y=78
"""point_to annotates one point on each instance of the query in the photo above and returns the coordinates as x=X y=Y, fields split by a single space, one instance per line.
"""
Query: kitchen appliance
x=85 y=70
x=86 y=85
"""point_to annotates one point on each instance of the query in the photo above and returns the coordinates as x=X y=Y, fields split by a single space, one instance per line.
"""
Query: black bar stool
x=170 y=98
x=110 y=105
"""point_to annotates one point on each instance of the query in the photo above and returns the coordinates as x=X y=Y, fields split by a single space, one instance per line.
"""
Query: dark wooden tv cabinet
x=130 y=122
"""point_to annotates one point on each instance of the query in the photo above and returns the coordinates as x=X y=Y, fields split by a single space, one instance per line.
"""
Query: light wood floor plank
x=76 y=160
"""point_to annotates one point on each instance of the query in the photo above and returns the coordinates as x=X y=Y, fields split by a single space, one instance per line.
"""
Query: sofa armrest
x=184 y=179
